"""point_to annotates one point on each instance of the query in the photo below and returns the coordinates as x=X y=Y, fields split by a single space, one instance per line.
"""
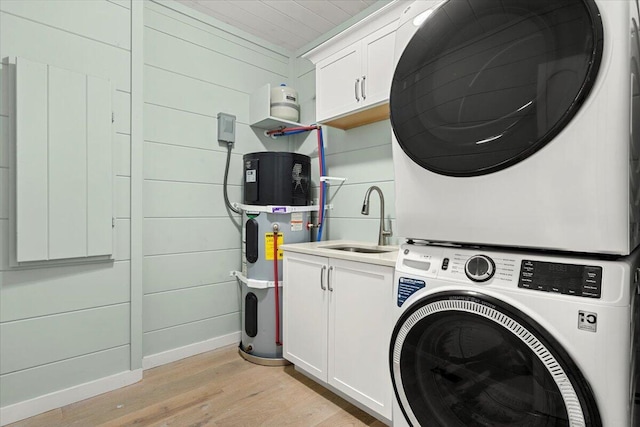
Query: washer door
x=465 y=360
x=483 y=84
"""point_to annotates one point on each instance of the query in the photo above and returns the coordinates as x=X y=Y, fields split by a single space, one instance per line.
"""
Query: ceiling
x=290 y=24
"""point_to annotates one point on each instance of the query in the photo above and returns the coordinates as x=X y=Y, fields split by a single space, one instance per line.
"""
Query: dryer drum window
x=459 y=360
x=483 y=84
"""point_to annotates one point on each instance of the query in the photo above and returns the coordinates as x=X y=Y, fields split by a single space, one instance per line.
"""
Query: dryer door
x=483 y=84
x=461 y=359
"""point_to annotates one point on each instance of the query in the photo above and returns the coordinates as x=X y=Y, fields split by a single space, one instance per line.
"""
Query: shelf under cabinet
x=260 y=111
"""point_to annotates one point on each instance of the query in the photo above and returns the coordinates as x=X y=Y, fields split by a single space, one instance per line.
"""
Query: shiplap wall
x=362 y=155
x=194 y=69
x=66 y=325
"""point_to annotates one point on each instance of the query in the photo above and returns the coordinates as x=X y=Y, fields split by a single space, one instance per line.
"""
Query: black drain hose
x=226 y=174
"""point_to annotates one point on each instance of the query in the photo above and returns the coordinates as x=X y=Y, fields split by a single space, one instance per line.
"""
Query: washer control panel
x=427 y=265
x=479 y=268
x=569 y=279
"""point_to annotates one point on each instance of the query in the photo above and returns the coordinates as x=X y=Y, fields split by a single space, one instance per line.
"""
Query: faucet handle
x=384 y=234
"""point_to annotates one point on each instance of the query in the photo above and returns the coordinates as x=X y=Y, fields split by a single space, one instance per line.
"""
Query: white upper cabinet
x=338 y=83
x=377 y=65
x=354 y=71
x=64 y=170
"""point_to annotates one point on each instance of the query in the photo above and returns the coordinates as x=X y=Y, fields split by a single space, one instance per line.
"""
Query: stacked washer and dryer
x=515 y=147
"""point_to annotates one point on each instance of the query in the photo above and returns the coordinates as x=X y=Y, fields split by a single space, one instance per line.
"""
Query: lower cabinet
x=337 y=325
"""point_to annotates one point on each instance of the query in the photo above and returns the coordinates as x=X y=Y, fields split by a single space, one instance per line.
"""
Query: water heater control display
x=569 y=279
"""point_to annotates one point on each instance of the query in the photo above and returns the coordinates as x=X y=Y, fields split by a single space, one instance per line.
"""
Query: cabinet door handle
x=356 y=90
x=329 y=278
x=364 y=96
x=322 y=286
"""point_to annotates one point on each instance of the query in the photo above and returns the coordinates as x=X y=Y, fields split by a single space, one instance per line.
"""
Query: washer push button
x=592 y=282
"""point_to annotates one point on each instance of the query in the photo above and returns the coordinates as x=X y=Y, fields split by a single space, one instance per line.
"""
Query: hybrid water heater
x=277 y=187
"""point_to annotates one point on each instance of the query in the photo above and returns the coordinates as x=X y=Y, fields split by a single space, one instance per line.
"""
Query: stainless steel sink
x=359 y=249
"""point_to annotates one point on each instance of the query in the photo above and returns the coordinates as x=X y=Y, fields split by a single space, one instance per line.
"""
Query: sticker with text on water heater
x=587 y=321
x=268 y=246
x=296 y=221
x=408 y=287
x=250 y=175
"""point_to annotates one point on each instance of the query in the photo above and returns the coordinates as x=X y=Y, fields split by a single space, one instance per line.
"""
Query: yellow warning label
x=268 y=245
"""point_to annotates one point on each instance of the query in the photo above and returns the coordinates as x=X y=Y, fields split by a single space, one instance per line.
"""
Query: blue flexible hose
x=293 y=132
x=323 y=189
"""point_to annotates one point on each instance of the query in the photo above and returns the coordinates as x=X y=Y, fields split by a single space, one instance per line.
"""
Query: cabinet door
x=64 y=171
x=338 y=83
x=359 y=332
x=305 y=313
x=377 y=57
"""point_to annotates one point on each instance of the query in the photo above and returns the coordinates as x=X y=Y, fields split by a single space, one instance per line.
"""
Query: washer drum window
x=464 y=359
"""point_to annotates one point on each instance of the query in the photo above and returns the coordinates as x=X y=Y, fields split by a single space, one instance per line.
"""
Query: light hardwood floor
x=217 y=388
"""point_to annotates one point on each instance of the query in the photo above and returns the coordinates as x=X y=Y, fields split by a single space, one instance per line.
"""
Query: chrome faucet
x=382 y=233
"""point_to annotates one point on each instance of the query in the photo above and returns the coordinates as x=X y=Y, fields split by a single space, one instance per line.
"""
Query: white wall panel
x=306 y=87
x=362 y=166
x=178 y=199
x=167 y=125
x=99 y=167
x=45 y=291
x=61 y=336
x=189 y=333
x=170 y=53
x=347 y=200
x=32 y=154
x=189 y=94
x=122 y=112
x=360 y=138
x=5 y=137
x=62 y=349
x=221 y=40
x=186 y=129
x=172 y=163
x=7 y=78
x=67 y=159
x=123 y=197
x=166 y=309
x=79 y=54
x=305 y=67
x=168 y=236
x=99 y=18
x=122 y=249
x=41 y=380
x=64 y=130
x=170 y=272
x=364 y=230
x=122 y=155
x=126 y=4
x=4 y=193
x=4 y=245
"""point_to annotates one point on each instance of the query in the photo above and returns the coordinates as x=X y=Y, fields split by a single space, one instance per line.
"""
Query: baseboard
x=172 y=355
x=28 y=408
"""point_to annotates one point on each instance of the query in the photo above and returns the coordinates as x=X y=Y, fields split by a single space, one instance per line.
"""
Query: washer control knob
x=480 y=268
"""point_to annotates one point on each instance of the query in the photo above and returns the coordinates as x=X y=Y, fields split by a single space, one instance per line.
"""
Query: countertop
x=322 y=249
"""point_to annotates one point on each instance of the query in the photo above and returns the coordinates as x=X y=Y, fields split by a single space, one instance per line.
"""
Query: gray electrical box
x=226 y=128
